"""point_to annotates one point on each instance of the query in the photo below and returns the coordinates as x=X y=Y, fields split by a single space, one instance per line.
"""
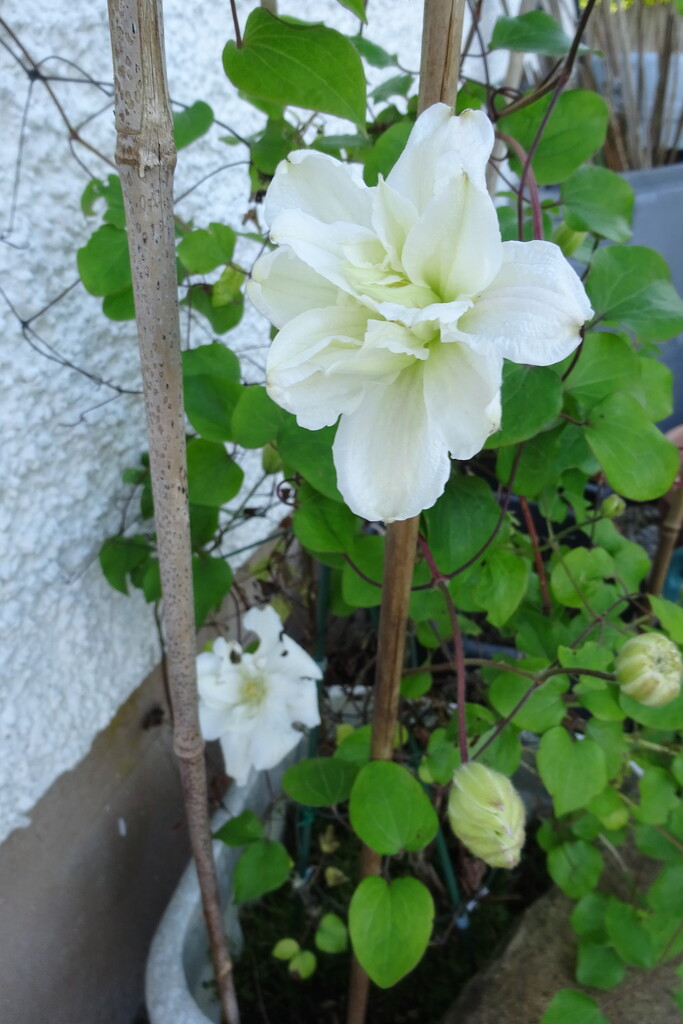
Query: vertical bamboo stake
x=439 y=73
x=145 y=157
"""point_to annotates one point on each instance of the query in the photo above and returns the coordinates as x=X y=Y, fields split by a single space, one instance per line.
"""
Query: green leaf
x=390 y=925
x=367 y=555
x=502 y=585
x=303 y=964
x=151 y=581
x=531 y=399
x=222 y=317
x=607 y=364
x=320 y=781
x=356 y=7
x=576 y=867
x=573 y=771
x=309 y=452
x=212 y=476
x=578 y=576
x=228 y=288
x=389 y=810
x=120 y=555
x=386 y=152
x=666 y=892
x=264 y=866
x=120 y=305
x=211 y=581
x=670 y=615
x=331 y=935
x=278 y=139
x=574 y=132
x=440 y=761
x=598 y=965
x=112 y=195
x=609 y=736
x=191 y=123
x=375 y=55
x=657 y=796
x=398 y=85
x=256 y=418
x=214 y=360
x=628 y=936
x=322 y=524
x=414 y=687
x=656 y=388
x=639 y=462
x=568 y=1006
x=599 y=201
x=104 y=262
x=631 y=285
x=202 y=251
x=544 y=708
x=307 y=66
x=588 y=917
x=667 y=718
x=356 y=746
x=461 y=521
x=203 y=525
x=211 y=375
x=245 y=828
x=535 y=32
x=504 y=754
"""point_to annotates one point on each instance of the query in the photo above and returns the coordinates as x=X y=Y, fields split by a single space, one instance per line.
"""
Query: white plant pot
x=178 y=978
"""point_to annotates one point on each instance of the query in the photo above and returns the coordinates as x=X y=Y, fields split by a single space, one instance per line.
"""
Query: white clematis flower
x=250 y=701
x=397 y=304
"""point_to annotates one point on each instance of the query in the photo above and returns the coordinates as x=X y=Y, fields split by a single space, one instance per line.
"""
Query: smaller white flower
x=250 y=702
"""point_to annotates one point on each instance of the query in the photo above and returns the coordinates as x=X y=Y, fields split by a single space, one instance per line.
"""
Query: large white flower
x=250 y=701
x=397 y=304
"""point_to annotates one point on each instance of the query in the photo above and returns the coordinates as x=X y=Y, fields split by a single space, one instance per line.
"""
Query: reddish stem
x=538 y=557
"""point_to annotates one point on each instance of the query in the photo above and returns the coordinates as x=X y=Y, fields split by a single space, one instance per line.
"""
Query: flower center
x=252 y=690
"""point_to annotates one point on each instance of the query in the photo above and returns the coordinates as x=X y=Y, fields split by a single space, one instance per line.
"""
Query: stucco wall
x=72 y=648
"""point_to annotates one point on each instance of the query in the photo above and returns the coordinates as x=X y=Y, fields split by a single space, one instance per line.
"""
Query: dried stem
x=145 y=158
x=440 y=69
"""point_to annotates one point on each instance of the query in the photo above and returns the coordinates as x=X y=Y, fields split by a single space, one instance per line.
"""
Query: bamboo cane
x=439 y=73
x=145 y=157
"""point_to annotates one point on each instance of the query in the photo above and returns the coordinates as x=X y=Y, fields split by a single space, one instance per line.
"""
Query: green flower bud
x=270 y=459
x=487 y=814
x=567 y=239
x=649 y=669
x=613 y=506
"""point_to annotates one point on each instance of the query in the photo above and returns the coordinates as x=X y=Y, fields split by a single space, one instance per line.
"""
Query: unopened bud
x=613 y=506
x=487 y=814
x=567 y=239
x=649 y=669
x=270 y=459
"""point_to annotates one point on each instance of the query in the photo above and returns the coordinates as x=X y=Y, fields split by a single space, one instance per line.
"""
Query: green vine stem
x=145 y=158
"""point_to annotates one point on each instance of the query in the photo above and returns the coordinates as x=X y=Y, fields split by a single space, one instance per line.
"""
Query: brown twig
x=671 y=527
x=145 y=158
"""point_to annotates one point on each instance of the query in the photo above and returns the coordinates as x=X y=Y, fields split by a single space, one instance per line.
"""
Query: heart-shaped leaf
x=390 y=925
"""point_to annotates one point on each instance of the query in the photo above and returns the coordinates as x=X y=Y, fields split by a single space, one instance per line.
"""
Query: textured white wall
x=72 y=648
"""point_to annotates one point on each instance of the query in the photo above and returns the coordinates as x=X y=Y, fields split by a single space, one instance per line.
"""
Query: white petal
x=300 y=356
x=213 y=721
x=455 y=247
x=390 y=461
x=267 y=625
x=318 y=185
x=439 y=147
x=462 y=393
x=392 y=218
x=337 y=251
x=533 y=309
x=302 y=704
x=272 y=741
x=237 y=756
x=282 y=286
x=291 y=663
